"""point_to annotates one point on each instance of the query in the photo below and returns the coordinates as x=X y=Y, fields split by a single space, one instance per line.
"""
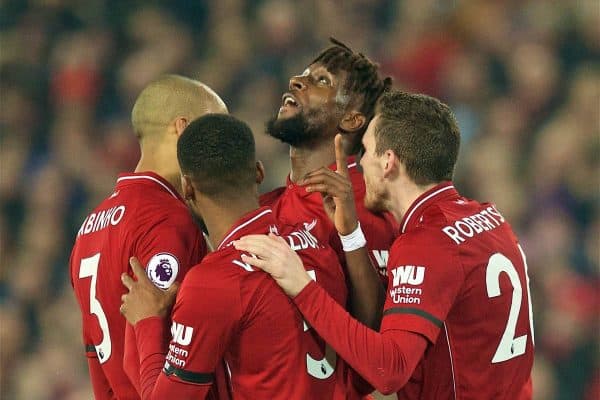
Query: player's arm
x=167 y=249
x=100 y=385
x=366 y=291
x=386 y=359
x=197 y=345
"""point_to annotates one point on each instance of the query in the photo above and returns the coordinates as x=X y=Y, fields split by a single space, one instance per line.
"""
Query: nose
x=296 y=83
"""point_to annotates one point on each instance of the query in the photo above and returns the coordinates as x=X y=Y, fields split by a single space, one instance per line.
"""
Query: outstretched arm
x=386 y=360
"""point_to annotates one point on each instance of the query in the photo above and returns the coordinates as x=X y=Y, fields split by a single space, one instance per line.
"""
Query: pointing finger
x=340 y=156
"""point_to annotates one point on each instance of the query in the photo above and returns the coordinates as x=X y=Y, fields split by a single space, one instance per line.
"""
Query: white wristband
x=354 y=240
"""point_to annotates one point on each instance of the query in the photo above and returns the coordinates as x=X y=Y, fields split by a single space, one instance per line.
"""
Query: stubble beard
x=376 y=199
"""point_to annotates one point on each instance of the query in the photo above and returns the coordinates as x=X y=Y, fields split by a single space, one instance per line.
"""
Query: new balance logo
x=408 y=274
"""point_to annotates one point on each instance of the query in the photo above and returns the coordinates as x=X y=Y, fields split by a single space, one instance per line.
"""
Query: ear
x=391 y=164
x=260 y=172
x=352 y=121
x=186 y=188
x=180 y=124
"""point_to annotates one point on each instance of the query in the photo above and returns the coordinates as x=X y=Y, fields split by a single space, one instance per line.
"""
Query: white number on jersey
x=89 y=268
x=510 y=346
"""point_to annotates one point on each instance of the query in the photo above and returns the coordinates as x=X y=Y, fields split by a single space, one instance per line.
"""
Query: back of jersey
x=326 y=372
x=489 y=329
x=131 y=222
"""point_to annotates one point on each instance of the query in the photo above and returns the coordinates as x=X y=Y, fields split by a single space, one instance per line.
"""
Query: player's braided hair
x=363 y=77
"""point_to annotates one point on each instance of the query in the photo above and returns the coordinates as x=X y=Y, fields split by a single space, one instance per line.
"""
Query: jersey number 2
x=89 y=268
x=510 y=346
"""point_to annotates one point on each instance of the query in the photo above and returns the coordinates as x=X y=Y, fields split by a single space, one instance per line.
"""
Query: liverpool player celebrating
x=225 y=308
x=457 y=318
x=335 y=94
x=146 y=216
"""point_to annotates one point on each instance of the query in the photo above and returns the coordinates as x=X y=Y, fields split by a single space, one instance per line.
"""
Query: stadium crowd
x=522 y=77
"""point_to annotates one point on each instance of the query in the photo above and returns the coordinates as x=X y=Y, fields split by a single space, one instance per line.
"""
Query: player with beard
x=335 y=94
x=225 y=308
x=144 y=215
x=457 y=321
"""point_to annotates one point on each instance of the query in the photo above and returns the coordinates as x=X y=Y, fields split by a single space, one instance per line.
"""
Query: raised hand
x=274 y=256
x=144 y=299
x=336 y=189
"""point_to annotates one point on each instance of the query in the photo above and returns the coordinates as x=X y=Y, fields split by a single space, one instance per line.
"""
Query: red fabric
x=293 y=205
x=100 y=385
x=437 y=284
x=144 y=217
x=227 y=310
x=385 y=361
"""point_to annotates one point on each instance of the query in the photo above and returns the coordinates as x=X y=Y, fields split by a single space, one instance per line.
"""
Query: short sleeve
x=205 y=316
x=425 y=276
x=169 y=249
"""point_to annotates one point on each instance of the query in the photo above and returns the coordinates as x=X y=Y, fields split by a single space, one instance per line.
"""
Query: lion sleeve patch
x=162 y=269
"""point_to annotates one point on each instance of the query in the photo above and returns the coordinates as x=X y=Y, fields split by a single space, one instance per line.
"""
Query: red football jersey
x=457 y=277
x=144 y=217
x=227 y=309
x=293 y=205
x=328 y=375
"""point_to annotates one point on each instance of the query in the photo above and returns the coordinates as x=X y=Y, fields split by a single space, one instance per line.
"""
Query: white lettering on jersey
x=381 y=259
x=472 y=225
x=412 y=275
x=100 y=220
x=408 y=274
x=181 y=334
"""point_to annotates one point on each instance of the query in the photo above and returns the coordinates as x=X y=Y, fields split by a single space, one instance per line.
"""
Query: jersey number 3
x=510 y=346
x=89 y=268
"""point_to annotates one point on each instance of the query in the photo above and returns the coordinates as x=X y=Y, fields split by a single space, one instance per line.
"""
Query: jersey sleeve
x=205 y=317
x=386 y=360
x=100 y=385
x=425 y=276
x=169 y=248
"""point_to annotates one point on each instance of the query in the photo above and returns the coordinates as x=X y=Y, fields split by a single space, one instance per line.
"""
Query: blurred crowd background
x=522 y=77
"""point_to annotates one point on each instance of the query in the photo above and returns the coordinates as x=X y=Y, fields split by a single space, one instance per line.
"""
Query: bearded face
x=301 y=130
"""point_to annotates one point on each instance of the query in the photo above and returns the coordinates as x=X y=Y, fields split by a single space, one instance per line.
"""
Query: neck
x=305 y=160
x=220 y=215
x=155 y=159
x=405 y=196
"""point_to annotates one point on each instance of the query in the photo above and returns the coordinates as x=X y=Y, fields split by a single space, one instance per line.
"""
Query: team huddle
x=366 y=270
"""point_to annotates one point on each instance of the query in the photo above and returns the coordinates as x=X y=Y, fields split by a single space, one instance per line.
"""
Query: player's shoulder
x=221 y=265
x=270 y=198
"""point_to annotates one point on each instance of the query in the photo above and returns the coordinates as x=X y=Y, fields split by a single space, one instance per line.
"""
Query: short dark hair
x=422 y=131
x=217 y=151
x=363 y=76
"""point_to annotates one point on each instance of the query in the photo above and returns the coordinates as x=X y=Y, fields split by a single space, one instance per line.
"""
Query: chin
x=376 y=201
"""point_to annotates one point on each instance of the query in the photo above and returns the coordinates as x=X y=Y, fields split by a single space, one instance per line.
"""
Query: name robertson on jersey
x=100 y=220
x=467 y=227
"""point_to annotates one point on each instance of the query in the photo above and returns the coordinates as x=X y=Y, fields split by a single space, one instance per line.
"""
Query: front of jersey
x=458 y=276
x=225 y=309
x=293 y=205
x=144 y=217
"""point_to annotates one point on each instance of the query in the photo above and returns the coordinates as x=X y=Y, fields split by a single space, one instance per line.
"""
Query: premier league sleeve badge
x=162 y=269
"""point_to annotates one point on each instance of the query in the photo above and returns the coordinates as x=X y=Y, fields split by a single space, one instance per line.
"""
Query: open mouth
x=289 y=104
